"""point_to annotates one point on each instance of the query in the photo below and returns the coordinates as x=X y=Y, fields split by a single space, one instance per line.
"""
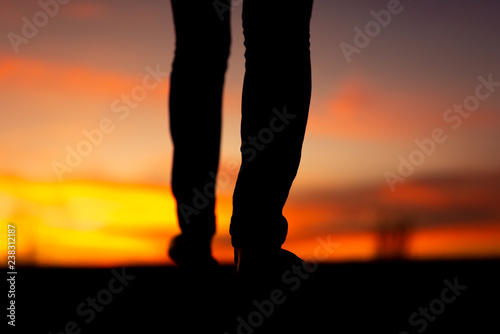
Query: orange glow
x=88 y=223
x=457 y=241
x=77 y=223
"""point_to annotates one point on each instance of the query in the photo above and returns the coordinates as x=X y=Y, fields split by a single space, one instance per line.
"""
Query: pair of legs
x=275 y=106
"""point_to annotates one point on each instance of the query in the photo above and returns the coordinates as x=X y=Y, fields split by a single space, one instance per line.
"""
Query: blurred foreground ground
x=374 y=297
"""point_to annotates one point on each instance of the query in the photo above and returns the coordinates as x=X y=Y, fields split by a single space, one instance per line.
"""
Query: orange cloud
x=415 y=195
x=33 y=75
x=85 y=10
x=352 y=98
x=363 y=109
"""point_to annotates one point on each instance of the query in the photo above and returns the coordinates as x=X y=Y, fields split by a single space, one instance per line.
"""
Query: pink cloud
x=85 y=10
x=363 y=109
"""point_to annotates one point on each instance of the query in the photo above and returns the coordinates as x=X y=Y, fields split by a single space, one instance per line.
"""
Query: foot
x=277 y=279
x=248 y=261
x=188 y=252
x=262 y=269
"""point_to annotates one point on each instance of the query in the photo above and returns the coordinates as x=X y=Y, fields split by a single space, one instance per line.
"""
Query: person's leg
x=201 y=53
x=275 y=106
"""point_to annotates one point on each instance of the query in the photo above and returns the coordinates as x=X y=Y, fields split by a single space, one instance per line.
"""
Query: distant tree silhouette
x=393 y=230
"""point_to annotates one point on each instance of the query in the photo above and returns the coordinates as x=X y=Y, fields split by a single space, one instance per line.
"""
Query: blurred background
x=85 y=197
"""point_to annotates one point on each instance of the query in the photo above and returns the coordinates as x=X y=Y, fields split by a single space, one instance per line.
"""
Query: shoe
x=259 y=271
x=190 y=253
x=272 y=286
x=201 y=285
x=265 y=262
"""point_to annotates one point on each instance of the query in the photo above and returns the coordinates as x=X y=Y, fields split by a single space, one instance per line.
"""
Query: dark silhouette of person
x=275 y=105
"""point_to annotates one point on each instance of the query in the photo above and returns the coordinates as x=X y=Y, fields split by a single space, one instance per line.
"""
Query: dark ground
x=376 y=297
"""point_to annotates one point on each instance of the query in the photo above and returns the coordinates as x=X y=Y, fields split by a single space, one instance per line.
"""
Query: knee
x=203 y=52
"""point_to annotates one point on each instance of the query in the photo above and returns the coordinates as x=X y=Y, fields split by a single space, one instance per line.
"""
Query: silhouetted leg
x=201 y=52
x=275 y=106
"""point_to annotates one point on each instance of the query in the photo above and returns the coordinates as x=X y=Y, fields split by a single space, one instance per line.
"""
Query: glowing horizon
x=92 y=223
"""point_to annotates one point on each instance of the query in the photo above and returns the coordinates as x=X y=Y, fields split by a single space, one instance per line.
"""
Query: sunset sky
x=368 y=111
